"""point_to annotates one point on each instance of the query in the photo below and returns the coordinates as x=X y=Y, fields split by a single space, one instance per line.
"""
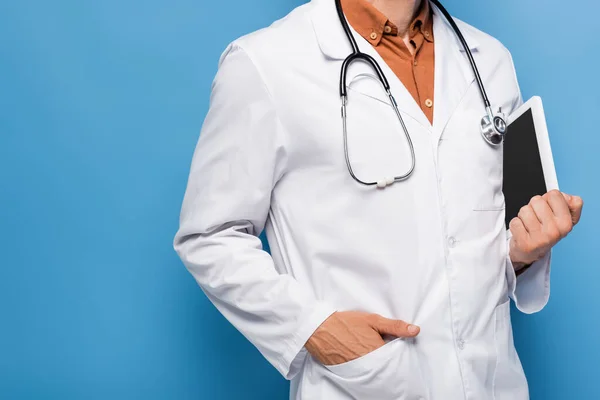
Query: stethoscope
x=493 y=126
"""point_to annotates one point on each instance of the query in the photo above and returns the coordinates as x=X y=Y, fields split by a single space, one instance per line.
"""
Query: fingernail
x=412 y=329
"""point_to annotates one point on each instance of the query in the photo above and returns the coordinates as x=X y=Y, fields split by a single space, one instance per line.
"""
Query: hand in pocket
x=348 y=335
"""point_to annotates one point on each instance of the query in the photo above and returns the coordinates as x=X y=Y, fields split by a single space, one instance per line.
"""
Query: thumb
x=394 y=327
x=575 y=204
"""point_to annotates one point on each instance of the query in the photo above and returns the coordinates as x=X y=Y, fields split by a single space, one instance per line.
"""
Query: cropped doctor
x=391 y=269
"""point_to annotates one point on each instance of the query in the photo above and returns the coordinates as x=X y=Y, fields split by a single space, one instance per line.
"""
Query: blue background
x=101 y=103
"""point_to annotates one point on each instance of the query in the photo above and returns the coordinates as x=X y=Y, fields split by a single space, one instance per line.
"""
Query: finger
x=558 y=203
x=394 y=327
x=560 y=209
x=551 y=231
x=520 y=236
x=575 y=204
x=529 y=219
x=518 y=229
x=542 y=210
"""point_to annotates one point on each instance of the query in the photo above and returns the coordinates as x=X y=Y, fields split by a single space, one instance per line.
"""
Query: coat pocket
x=509 y=377
x=391 y=372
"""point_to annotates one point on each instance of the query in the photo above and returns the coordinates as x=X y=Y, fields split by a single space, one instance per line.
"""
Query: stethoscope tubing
x=489 y=133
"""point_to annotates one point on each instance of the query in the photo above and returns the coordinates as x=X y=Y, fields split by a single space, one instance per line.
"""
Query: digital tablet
x=528 y=163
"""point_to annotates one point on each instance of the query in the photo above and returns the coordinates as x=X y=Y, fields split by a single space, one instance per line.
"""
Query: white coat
x=431 y=250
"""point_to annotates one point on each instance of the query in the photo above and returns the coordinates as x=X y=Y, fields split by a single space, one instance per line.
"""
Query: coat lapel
x=453 y=73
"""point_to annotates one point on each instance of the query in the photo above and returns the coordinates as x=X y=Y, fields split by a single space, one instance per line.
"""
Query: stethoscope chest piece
x=493 y=127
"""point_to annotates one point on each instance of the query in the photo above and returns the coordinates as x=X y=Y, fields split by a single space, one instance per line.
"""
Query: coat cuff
x=294 y=357
x=530 y=290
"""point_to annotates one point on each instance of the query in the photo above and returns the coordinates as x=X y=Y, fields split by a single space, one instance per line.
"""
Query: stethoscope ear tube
x=342 y=17
x=369 y=60
x=356 y=55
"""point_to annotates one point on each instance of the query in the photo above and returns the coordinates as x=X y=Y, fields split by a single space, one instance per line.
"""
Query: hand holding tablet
x=537 y=214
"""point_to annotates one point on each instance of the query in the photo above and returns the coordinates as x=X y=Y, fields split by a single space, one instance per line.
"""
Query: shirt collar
x=371 y=23
x=423 y=22
x=333 y=42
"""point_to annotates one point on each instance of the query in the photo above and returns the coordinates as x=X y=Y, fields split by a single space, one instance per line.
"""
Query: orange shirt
x=415 y=71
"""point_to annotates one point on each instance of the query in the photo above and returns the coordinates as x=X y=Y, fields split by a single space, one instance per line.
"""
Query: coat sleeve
x=239 y=158
x=531 y=289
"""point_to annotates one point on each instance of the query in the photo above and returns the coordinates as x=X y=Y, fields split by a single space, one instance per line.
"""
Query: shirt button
x=373 y=36
x=461 y=344
x=451 y=242
x=415 y=63
x=426 y=33
x=428 y=103
x=387 y=29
